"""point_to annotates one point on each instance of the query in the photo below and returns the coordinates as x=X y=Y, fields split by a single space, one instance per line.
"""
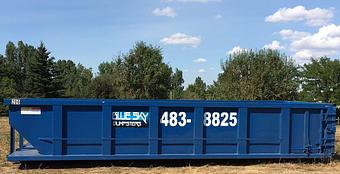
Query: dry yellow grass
x=204 y=167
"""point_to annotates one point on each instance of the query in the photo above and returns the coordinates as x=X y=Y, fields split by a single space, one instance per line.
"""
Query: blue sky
x=195 y=35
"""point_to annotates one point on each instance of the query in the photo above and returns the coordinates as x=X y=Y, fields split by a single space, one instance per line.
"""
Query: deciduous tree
x=196 y=90
x=321 y=81
x=258 y=75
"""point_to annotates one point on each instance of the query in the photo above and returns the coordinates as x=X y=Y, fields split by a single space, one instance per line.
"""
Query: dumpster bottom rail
x=33 y=155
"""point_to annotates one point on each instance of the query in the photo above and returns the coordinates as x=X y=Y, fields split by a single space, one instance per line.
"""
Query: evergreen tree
x=42 y=74
x=7 y=85
x=21 y=58
x=84 y=80
x=26 y=55
x=65 y=71
x=12 y=63
x=2 y=66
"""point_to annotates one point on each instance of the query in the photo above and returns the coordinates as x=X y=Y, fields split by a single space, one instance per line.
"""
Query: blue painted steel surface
x=79 y=129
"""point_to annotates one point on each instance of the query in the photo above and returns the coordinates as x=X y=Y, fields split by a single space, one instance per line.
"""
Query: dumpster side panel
x=217 y=138
x=81 y=130
x=130 y=135
x=66 y=129
x=176 y=130
x=264 y=130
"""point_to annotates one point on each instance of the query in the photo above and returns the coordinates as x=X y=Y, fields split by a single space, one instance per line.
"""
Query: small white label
x=30 y=111
x=15 y=101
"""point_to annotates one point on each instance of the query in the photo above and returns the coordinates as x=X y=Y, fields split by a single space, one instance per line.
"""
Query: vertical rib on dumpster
x=198 y=130
x=285 y=131
x=153 y=130
x=306 y=132
x=57 y=130
x=242 y=131
x=106 y=130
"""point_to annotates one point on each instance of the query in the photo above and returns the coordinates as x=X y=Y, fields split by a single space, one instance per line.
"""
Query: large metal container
x=95 y=129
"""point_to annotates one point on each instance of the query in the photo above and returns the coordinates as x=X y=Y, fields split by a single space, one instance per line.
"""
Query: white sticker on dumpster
x=30 y=111
x=130 y=119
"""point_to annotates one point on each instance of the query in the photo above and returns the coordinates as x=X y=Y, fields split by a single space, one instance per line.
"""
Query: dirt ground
x=171 y=167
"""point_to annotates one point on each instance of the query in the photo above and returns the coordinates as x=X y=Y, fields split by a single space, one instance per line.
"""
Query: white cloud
x=325 y=42
x=312 y=17
x=167 y=11
x=328 y=37
x=200 y=60
x=202 y=71
x=288 y=34
x=236 y=50
x=181 y=39
x=275 y=45
x=218 y=16
x=305 y=55
x=194 y=1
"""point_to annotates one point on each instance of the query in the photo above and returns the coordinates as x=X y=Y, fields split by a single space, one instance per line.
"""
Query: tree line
x=31 y=72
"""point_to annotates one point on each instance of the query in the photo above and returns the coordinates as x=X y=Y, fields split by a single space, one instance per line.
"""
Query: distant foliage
x=42 y=74
x=144 y=74
x=76 y=80
x=257 y=75
x=141 y=73
x=28 y=71
x=197 y=90
x=177 y=85
x=108 y=84
x=321 y=81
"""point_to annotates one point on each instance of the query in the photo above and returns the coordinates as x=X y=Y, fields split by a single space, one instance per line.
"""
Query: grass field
x=171 y=167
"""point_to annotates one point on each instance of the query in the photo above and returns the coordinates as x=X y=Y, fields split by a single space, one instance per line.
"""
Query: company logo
x=130 y=119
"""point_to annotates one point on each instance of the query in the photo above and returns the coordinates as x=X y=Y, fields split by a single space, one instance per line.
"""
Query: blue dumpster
x=98 y=129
